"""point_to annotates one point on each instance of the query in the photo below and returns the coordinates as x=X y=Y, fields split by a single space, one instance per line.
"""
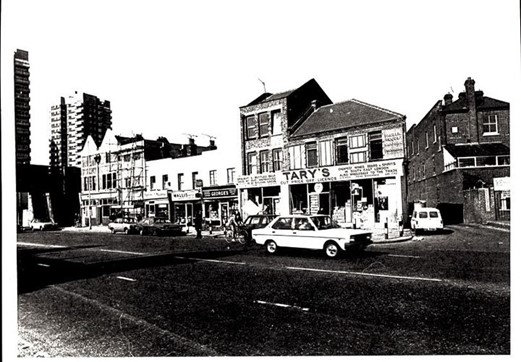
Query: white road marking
x=404 y=256
x=41 y=245
x=366 y=274
x=122 y=252
x=282 y=305
x=125 y=278
x=44 y=265
x=212 y=260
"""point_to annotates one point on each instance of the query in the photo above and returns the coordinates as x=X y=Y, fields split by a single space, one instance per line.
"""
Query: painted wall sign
x=392 y=143
x=262 y=180
x=501 y=183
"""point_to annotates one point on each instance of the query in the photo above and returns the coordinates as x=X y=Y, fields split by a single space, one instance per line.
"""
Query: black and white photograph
x=278 y=179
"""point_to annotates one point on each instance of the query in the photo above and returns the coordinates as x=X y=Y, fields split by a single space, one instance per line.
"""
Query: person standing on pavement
x=198 y=223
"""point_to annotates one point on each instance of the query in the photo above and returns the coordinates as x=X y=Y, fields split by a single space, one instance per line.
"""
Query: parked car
x=159 y=226
x=315 y=232
x=123 y=225
x=426 y=218
x=253 y=222
x=39 y=224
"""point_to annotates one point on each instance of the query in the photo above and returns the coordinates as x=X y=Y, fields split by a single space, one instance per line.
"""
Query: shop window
x=252 y=163
x=264 y=161
x=490 y=124
x=326 y=157
x=230 y=175
x=277 y=159
x=276 y=122
x=264 y=124
x=486 y=161
x=311 y=154
x=357 y=141
x=341 y=150
x=375 y=145
x=357 y=157
x=296 y=157
x=180 y=181
x=251 y=127
x=213 y=177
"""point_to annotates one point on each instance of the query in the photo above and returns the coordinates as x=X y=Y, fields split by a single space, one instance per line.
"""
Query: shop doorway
x=224 y=210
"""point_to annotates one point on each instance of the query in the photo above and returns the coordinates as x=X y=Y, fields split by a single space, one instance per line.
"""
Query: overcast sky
x=171 y=68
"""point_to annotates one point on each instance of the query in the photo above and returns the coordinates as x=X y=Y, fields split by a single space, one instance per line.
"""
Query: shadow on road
x=37 y=270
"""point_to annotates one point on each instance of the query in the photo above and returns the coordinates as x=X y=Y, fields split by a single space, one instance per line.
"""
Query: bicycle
x=239 y=237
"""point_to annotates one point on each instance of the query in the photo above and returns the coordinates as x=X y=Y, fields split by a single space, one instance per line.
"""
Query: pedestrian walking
x=198 y=223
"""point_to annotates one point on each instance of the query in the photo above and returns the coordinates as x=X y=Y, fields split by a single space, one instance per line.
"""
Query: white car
x=123 y=225
x=37 y=224
x=426 y=218
x=315 y=232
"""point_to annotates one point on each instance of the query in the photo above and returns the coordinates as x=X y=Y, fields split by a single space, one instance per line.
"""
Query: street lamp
x=97 y=159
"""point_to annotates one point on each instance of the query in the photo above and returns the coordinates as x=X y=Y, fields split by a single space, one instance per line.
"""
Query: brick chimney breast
x=471 y=103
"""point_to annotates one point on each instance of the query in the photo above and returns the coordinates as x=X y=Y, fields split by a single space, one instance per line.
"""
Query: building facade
x=114 y=175
x=72 y=121
x=345 y=160
x=178 y=188
x=22 y=107
x=458 y=145
x=266 y=124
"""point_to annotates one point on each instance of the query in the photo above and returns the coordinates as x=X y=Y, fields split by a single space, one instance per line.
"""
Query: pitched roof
x=343 y=115
x=483 y=149
x=482 y=103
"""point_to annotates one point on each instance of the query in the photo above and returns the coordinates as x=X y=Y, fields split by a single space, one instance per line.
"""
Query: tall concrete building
x=21 y=107
x=72 y=121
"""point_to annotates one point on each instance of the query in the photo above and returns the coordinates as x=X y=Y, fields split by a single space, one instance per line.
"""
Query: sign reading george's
x=341 y=173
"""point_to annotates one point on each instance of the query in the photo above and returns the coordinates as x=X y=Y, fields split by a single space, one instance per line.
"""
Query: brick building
x=266 y=124
x=458 y=145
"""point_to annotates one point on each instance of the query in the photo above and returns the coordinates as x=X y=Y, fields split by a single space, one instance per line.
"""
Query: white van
x=426 y=218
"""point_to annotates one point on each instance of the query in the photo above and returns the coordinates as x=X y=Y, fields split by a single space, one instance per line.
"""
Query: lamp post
x=97 y=159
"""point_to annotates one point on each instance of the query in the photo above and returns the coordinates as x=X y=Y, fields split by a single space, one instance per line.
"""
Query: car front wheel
x=332 y=250
x=271 y=247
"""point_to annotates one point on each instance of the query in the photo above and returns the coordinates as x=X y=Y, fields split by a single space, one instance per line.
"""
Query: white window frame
x=251 y=158
x=489 y=123
x=325 y=153
x=357 y=141
x=264 y=161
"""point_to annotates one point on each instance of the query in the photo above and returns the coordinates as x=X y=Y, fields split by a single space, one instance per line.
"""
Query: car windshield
x=324 y=222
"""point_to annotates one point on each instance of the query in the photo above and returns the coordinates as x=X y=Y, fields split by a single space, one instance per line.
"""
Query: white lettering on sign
x=392 y=143
x=184 y=195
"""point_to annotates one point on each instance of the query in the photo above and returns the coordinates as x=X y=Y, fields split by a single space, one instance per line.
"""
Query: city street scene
x=224 y=179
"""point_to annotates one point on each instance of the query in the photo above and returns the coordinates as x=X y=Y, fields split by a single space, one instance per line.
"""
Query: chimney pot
x=448 y=99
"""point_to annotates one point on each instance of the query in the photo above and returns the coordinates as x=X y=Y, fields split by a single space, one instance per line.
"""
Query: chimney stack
x=314 y=104
x=471 y=104
x=448 y=99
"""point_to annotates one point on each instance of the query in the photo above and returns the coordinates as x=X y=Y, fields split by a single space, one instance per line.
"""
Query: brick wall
x=478 y=205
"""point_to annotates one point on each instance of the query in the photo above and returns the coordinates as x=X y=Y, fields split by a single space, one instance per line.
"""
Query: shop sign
x=159 y=194
x=502 y=184
x=262 y=180
x=392 y=143
x=185 y=195
x=219 y=193
x=341 y=173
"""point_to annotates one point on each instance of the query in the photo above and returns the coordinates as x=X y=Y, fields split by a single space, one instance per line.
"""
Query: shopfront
x=185 y=205
x=219 y=202
x=364 y=195
x=259 y=194
x=158 y=204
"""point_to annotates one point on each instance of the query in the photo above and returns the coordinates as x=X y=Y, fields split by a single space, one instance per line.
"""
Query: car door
x=303 y=232
x=281 y=231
